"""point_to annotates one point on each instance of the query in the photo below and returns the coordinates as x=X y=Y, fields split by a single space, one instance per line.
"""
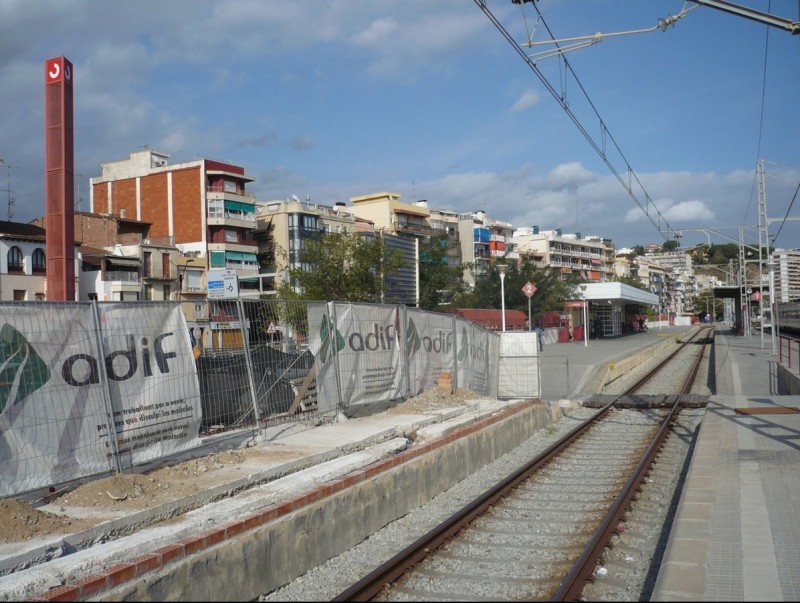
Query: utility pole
x=8 y=190
x=763 y=237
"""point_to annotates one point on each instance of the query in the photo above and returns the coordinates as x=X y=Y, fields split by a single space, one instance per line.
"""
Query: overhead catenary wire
x=791 y=203
x=647 y=205
x=579 y=42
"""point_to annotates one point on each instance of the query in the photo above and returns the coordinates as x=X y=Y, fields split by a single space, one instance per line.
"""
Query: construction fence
x=88 y=388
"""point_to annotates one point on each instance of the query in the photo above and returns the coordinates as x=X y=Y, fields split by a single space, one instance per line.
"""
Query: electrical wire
x=660 y=222
x=775 y=237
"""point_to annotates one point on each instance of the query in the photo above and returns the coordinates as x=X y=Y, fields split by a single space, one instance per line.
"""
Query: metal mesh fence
x=88 y=388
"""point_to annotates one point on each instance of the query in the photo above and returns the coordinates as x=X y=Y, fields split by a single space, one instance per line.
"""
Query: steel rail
x=582 y=570
x=373 y=583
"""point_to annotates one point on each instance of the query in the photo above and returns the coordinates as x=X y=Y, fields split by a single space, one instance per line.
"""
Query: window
x=303 y=222
x=39 y=261
x=231 y=236
x=148 y=292
x=15 y=259
x=148 y=264
x=20 y=294
x=167 y=291
x=165 y=265
x=216 y=208
x=193 y=280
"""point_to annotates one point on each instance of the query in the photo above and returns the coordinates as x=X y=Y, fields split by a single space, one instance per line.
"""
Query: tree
x=720 y=254
x=699 y=253
x=633 y=282
x=706 y=303
x=439 y=281
x=670 y=245
x=344 y=266
x=551 y=290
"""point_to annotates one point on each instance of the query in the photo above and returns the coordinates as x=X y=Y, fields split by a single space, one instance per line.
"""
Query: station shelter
x=606 y=308
x=745 y=305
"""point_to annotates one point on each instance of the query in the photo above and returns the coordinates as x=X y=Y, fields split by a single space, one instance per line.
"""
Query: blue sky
x=331 y=99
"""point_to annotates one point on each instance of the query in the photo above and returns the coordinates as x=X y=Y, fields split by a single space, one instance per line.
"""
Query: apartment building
x=684 y=287
x=388 y=213
x=569 y=253
x=485 y=240
x=283 y=225
x=445 y=223
x=402 y=226
x=658 y=278
x=786 y=275
x=203 y=206
x=23 y=262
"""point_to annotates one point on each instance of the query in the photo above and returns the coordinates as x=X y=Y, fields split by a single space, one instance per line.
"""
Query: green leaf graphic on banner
x=331 y=338
x=413 y=342
x=22 y=371
x=464 y=347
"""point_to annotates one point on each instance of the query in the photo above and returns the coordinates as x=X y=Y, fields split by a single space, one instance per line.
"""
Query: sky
x=644 y=133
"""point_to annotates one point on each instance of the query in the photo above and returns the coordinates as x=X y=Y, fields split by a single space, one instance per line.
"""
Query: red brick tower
x=59 y=180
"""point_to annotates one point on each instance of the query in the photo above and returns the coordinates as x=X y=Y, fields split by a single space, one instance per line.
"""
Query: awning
x=118 y=260
x=242 y=207
x=596 y=262
x=239 y=256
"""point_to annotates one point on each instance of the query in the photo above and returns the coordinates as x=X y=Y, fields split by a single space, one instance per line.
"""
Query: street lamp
x=585 y=315
x=501 y=268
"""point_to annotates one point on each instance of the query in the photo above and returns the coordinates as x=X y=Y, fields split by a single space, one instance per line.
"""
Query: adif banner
x=65 y=407
x=476 y=357
x=430 y=347
x=363 y=352
x=357 y=348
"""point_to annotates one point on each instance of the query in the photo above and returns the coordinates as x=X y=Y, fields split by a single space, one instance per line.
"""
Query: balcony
x=219 y=188
x=242 y=220
x=121 y=276
x=413 y=228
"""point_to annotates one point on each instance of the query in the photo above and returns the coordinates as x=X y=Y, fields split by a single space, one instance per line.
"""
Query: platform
x=736 y=534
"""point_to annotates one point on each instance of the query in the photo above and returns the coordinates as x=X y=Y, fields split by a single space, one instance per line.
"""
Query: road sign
x=271 y=330
x=529 y=289
x=222 y=284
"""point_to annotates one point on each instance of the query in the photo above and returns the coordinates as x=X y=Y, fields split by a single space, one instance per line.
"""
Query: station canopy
x=618 y=292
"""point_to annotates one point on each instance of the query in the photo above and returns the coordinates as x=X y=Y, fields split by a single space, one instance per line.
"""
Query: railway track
x=542 y=532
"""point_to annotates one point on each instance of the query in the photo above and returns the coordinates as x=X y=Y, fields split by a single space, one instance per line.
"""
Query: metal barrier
x=789 y=352
x=92 y=388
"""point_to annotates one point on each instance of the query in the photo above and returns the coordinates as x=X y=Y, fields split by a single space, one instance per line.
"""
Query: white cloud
x=530 y=98
x=687 y=211
x=569 y=174
x=377 y=32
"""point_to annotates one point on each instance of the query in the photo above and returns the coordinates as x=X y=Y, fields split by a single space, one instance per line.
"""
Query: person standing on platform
x=539 y=335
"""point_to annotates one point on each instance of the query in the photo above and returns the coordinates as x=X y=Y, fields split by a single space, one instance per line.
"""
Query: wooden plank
x=768 y=410
x=301 y=391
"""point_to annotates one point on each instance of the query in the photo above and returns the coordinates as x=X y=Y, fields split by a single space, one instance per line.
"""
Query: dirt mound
x=22 y=521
